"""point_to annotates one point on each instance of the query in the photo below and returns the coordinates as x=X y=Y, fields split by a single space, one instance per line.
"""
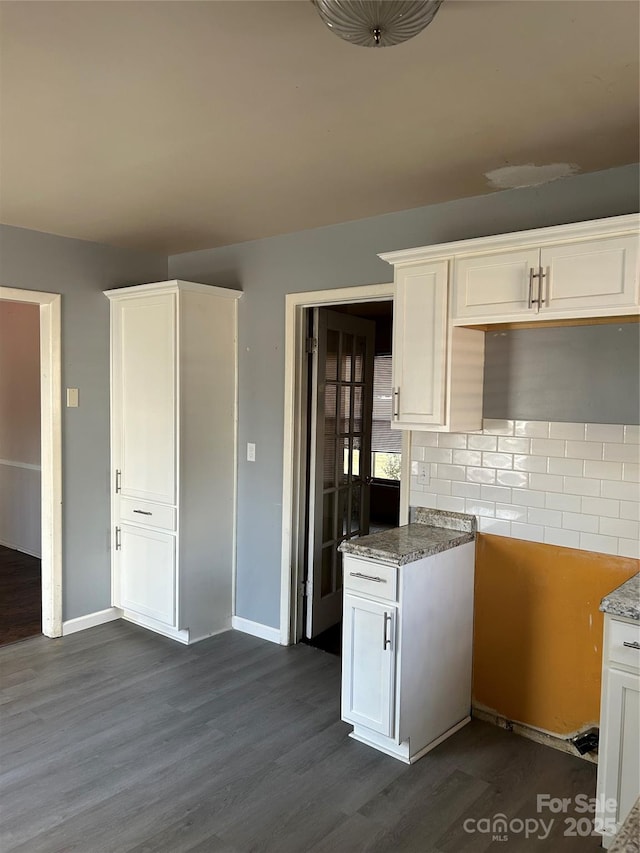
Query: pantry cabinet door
x=590 y=276
x=144 y=396
x=146 y=567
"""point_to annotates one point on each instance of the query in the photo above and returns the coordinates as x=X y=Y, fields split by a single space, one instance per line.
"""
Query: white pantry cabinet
x=619 y=748
x=407 y=650
x=173 y=455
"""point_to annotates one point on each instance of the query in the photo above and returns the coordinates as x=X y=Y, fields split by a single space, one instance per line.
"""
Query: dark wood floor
x=116 y=739
x=20 y=596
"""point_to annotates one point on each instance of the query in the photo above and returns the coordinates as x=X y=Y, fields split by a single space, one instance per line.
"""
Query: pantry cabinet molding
x=173 y=455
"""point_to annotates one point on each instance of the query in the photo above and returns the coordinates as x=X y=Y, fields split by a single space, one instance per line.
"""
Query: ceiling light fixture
x=377 y=23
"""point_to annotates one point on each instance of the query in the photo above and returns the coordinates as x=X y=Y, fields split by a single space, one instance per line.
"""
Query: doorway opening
x=49 y=493
x=343 y=465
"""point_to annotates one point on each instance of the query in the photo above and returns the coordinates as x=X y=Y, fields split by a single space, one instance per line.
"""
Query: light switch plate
x=251 y=452
x=72 y=398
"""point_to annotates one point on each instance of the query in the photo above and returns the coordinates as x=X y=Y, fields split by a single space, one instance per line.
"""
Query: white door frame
x=50 y=449
x=293 y=465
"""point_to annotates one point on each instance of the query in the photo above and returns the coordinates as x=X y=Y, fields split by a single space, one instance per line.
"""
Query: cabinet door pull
x=396 y=403
x=118 y=542
x=634 y=645
x=531 y=300
x=386 y=638
x=542 y=274
x=118 y=481
x=142 y=512
x=367 y=577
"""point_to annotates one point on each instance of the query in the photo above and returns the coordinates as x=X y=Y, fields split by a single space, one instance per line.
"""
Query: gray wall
x=586 y=374
x=80 y=271
x=339 y=256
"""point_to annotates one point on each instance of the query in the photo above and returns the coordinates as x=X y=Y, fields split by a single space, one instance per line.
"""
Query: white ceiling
x=180 y=125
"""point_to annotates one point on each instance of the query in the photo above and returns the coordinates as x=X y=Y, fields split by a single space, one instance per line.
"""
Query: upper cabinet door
x=144 y=396
x=590 y=275
x=494 y=284
x=420 y=344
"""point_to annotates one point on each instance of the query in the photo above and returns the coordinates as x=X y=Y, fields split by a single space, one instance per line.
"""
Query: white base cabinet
x=407 y=650
x=619 y=748
x=173 y=456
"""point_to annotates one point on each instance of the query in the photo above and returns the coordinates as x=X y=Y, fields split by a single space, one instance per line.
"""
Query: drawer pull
x=634 y=645
x=368 y=577
x=142 y=512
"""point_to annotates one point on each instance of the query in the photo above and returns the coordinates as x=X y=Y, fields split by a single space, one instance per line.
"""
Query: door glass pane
x=343 y=512
x=328 y=508
x=345 y=407
x=326 y=575
x=356 y=500
x=358 y=359
x=329 y=462
x=331 y=366
x=330 y=400
x=346 y=357
x=355 y=456
x=357 y=408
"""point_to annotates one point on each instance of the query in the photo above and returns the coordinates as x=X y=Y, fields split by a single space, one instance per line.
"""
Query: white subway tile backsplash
x=495 y=526
x=564 y=538
x=527 y=497
x=519 y=479
x=629 y=548
x=603 y=470
x=481 y=475
x=568 y=467
x=438 y=454
x=480 y=508
x=547 y=447
x=482 y=442
x=583 y=450
x=509 y=512
x=506 y=444
x=452 y=439
x=450 y=504
x=451 y=472
x=530 y=532
x=604 y=432
x=546 y=517
x=534 y=429
x=490 y=426
x=581 y=522
x=573 y=432
x=530 y=463
x=495 y=493
x=465 y=490
x=621 y=490
x=630 y=509
x=581 y=486
x=622 y=453
x=569 y=484
x=467 y=457
x=632 y=435
x=546 y=482
x=602 y=544
x=496 y=460
x=601 y=506
x=620 y=527
x=566 y=503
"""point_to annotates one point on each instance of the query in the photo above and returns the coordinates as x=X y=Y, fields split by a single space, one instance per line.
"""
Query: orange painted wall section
x=538 y=631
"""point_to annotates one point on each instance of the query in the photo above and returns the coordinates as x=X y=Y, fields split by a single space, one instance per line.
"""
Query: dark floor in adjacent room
x=117 y=740
x=20 y=596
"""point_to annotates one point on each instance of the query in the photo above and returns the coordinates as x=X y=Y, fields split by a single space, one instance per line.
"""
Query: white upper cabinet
x=589 y=276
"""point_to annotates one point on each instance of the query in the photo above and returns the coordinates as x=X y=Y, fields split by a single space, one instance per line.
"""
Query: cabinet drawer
x=619 y=634
x=371 y=579
x=143 y=512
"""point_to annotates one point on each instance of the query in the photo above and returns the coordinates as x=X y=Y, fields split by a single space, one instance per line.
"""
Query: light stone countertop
x=432 y=532
x=624 y=600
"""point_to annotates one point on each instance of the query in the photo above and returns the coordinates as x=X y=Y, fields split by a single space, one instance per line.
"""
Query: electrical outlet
x=423 y=474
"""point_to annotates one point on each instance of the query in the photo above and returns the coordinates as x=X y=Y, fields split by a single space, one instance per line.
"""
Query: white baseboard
x=71 y=626
x=555 y=741
x=20 y=549
x=256 y=629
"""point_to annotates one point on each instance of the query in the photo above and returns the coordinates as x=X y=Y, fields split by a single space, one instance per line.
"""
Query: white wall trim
x=256 y=629
x=72 y=626
x=51 y=450
x=292 y=465
x=11 y=463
